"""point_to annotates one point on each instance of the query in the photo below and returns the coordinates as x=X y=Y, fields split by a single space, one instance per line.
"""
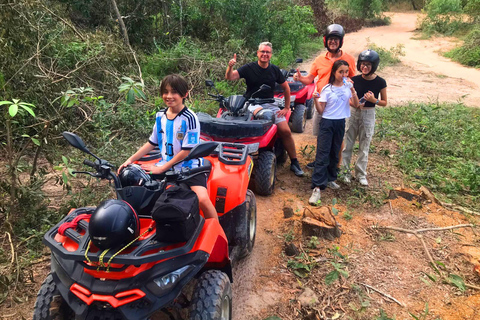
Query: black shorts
x=198 y=180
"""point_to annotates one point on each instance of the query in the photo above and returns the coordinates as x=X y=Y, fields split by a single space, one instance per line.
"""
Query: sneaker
x=363 y=181
x=333 y=185
x=315 y=198
x=311 y=165
x=295 y=167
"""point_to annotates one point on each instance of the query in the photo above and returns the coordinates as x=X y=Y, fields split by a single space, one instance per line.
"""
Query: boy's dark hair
x=176 y=82
x=335 y=67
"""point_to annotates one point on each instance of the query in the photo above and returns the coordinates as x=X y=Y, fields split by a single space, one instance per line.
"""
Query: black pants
x=329 y=142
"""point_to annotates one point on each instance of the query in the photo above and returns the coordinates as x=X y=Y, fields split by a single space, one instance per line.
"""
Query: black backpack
x=176 y=214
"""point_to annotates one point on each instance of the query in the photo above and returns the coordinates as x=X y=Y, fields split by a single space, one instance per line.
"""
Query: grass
x=438 y=148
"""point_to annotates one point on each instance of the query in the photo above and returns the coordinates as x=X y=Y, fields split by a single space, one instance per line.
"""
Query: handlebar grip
x=89 y=163
x=212 y=95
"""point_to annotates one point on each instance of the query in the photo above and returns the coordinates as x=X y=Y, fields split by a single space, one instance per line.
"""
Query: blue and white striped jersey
x=172 y=136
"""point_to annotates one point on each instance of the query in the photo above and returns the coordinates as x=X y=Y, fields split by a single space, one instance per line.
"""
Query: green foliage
x=469 y=53
x=438 y=147
x=365 y=9
x=335 y=274
x=423 y=315
x=313 y=243
x=443 y=16
x=132 y=90
x=383 y=316
x=302 y=265
x=388 y=57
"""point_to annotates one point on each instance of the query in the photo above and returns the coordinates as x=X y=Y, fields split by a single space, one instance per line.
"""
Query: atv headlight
x=292 y=98
x=252 y=148
x=168 y=281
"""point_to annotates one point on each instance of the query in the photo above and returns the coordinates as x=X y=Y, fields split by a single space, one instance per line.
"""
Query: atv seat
x=232 y=128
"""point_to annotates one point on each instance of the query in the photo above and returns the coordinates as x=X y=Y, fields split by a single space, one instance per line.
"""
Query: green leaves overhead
x=14 y=106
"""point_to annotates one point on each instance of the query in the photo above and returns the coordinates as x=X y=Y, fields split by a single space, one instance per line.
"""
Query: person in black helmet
x=333 y=41
x=361 y=123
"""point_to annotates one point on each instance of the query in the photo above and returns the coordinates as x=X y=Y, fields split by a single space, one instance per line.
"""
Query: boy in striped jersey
x=176 y=132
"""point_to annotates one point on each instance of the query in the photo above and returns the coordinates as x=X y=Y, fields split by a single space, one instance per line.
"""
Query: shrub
x=438 y=147
x=469 y=53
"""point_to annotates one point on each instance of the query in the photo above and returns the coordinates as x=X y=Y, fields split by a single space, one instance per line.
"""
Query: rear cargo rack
x=137 y=256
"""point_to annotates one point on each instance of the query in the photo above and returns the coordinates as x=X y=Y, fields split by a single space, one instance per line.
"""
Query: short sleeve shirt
x=362 y=86
x=255 y=76
x=172 y=136
x=322 y=66
x=338 y=102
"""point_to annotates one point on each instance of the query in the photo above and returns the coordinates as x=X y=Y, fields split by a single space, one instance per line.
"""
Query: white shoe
x=333 y=185
x=315 y=198
x=363 y=181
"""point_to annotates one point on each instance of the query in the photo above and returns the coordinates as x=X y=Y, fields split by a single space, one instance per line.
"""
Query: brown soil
x=392 y=262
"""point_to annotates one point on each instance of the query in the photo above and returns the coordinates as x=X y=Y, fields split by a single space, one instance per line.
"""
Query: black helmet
x=369 y=56
x=333 y=30
x=133 y=175
x=114 y=223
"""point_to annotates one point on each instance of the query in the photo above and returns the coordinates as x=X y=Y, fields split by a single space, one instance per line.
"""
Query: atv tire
x=50 y=305
x=247 y=228
x=310 y=108
x=212 y=297
x=264 y=173
x=280 y=152
x=298 y=119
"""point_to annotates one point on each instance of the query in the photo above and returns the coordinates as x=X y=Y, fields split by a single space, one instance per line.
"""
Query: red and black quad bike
x=149 y=276
x=235 y=124
x=301 y=99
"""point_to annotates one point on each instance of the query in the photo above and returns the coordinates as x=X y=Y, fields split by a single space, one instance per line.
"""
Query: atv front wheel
x=264 y=172
x=247 y=228
x=310 y=108
x=280 y=152
x=298 y=119
x=50 y=304
x=212 y=297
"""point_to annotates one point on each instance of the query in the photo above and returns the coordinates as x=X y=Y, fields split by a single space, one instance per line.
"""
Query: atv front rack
x=145 y=251
x=233 y=153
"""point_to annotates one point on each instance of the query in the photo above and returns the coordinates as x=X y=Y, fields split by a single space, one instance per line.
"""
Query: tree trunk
x=123 y=29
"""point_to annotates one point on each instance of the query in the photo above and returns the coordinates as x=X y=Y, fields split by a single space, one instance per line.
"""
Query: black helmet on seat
x=333 y=30
x=369 y=56
x=114 y=223
x=133 y=175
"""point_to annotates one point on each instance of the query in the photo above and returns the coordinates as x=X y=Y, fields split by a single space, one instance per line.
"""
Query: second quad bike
x=301 y=101
x=111 y=277
x=235 y=124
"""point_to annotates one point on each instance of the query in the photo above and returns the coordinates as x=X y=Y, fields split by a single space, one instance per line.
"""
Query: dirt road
x=423 y=76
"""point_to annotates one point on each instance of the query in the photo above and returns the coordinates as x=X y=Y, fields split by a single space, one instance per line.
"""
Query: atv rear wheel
x=310 y=108
x=264 y=172
x=212 y=297
x=248 y=228
x=298 y=119
x=50 y=304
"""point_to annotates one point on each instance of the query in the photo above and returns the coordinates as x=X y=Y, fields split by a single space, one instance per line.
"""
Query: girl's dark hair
x=176 y=82
x=335 y=67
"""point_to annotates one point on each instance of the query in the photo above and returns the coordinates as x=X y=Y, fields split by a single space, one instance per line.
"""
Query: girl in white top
x=333 y=104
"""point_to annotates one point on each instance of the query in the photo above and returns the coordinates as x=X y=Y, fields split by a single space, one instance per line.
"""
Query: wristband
x=376 y=102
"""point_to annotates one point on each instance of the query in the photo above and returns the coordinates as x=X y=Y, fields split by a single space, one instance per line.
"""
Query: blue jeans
x=329 y=142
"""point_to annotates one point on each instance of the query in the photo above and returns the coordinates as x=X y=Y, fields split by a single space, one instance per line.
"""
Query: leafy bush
x=388 y=57
x=438 y=147
x=469 y=53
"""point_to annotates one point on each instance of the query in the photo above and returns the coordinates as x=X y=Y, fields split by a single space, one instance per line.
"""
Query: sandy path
x=424 y=74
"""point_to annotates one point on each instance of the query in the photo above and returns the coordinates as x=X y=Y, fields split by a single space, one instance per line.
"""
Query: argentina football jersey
x=174 y=135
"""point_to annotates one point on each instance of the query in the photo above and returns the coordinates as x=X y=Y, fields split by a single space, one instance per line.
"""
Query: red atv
x=148 y=276
x=235 y=124
x=301 y=101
